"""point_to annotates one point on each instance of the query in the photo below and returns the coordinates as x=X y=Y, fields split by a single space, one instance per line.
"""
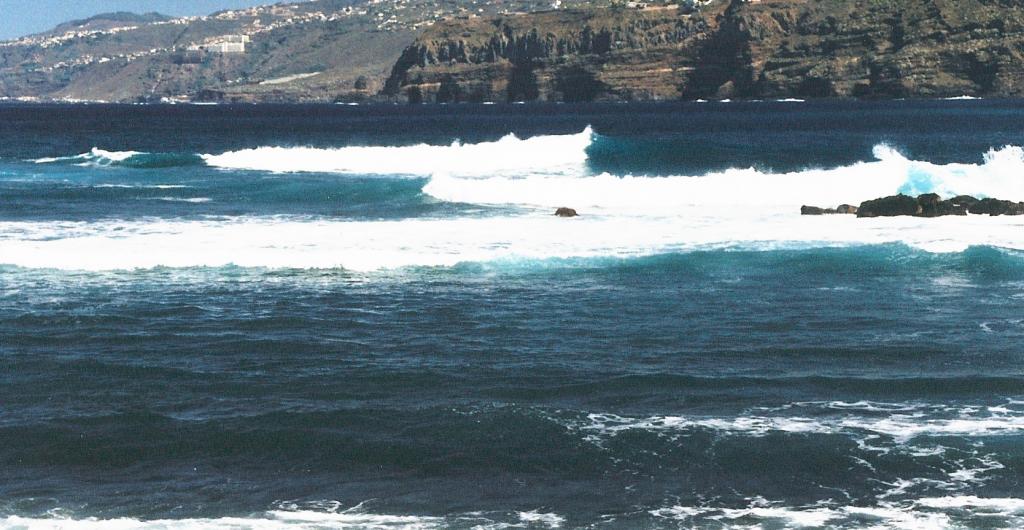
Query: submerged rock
x=566 y=212
x=841 y=209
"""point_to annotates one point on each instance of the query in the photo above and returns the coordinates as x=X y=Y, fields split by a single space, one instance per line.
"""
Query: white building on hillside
x=223 y=44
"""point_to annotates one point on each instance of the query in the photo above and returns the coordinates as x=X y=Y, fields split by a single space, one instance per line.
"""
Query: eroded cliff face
x=884 y=48
x=560 y=55
x=729 y=49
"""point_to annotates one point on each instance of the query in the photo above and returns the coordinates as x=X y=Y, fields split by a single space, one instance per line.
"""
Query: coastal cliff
x=421 y=51
x=727 y=49
x=579 y=55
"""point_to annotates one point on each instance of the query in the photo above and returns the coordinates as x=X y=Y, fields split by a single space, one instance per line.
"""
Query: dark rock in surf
x=891 y=206
x=963 y=200
x=931 y=205
x=925 y=205
x=996 y=207
x=566 y=212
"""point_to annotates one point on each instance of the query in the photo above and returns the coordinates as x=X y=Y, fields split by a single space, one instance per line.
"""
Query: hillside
x=322 y=50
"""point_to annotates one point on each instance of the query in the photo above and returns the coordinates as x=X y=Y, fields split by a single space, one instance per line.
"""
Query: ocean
x=308 y=317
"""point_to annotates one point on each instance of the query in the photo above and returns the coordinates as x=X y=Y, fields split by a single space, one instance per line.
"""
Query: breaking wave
x=97 y=157
x=552 y=170
x=551 y=154
x=1001 y=174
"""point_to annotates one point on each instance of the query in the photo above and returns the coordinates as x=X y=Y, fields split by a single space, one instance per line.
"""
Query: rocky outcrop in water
x=566 y=212
x=841 y=209
x=931 y=205
x=890 y=207
x=926 y=205
x=997 y=207
x=728 y=49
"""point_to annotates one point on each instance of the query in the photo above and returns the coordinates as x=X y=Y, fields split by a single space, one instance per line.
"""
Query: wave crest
x=97 y=157
x=551 y=154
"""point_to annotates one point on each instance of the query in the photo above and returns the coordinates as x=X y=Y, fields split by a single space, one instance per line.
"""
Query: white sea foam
x=329 y=517
x=885 y=516
x=621 y=217
x=192 y=200
x=293 y=242
x=274 y=520
x=549 y=520
x=550 y=154
x=902 y=423
x=143 y=186
x=954 y=511
x=759 y=510
x=1005 y=505
x=864 y=405
x=1000 y=175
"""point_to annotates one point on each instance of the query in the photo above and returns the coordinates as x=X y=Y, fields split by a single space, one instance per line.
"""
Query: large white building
x=223 y=44
x=226 y=47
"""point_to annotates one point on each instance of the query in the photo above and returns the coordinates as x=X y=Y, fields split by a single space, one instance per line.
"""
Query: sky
x=24 y=17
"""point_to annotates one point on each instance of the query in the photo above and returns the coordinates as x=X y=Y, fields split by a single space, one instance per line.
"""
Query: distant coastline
x=383 y=102
x=325 y=51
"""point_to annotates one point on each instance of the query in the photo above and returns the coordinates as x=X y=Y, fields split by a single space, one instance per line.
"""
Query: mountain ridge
x=112 y=17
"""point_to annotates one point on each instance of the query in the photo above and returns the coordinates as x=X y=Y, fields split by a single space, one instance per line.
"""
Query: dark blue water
x=186 y=344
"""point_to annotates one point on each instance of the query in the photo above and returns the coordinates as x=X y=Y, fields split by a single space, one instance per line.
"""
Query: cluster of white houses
x=223 y=44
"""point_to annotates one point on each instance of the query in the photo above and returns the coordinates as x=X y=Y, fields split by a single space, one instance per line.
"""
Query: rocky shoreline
x=926 y=205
